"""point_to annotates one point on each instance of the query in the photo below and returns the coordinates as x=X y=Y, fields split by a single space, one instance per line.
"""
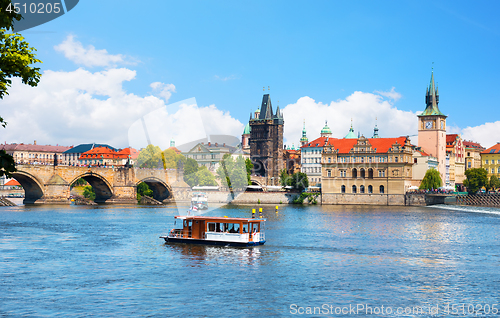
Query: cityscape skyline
x=324 y=61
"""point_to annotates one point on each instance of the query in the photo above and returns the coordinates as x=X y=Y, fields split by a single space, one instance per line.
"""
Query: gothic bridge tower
x=266 y=142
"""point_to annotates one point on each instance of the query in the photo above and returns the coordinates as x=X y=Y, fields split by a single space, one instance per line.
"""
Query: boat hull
x=210 y=242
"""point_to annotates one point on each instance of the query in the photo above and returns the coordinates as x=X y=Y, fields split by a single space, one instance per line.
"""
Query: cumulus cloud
x=163 y=90
x=365 y=109
x=88 y=56
x=392 y=94
x=485 y=134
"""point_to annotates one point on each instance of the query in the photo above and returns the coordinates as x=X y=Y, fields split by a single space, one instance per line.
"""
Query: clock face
x=428 y=124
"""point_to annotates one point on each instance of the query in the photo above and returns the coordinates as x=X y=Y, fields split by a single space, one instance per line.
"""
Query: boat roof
x=217 y=218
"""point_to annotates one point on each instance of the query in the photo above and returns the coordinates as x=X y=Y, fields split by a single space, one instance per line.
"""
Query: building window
x=414 y=160
x=381 y=189
x=370 y=189
x=362 y=173
x=396 y=159
x=353 y=189
x=354 y=173
x=468 y=154
x=329 y=173
x=362 y=189
x=329 y=160
x=469 y=164
x=342 y=189
x=486 y=161
x=498 y=170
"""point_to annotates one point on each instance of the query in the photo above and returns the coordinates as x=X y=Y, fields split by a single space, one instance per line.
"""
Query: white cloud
x=486 y=134
x=362 y=107
x=226 y=78
x=88 y=56
x=163 y=90
x=392 y=94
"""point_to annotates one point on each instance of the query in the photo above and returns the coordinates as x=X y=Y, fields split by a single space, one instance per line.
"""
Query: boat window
x=245 y=228
x=255 y=227
x=234 y=228
x=211 y=227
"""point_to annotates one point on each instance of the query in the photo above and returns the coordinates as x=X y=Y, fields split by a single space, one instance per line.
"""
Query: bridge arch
x=33 y=188
x=161 y=190
x=255 y=182
x=102 y=188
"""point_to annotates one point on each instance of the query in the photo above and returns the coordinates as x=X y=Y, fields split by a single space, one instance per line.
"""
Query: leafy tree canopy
x=89 y=193
x=233 y=173
x=150 y=157
x=494 y=182
x=431 y=180
x=16 y=59
x=476 y=178
x=297 y=181
x=205 y=177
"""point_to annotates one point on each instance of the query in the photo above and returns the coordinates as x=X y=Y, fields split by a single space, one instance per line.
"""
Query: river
x=108 y=261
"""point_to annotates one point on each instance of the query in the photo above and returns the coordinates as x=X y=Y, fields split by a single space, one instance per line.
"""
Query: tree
x=142 y=190
x=190 y=170
x=233 y=174
x=79 y=182
x=476 y=179
x=249 y=166
x=285 y=178
x=172 y=159
x=431 y=180
x=299 y=181
x=494 y=182
x=150 y=157
x=205 y=177
x=16 y=59
x=89 y=193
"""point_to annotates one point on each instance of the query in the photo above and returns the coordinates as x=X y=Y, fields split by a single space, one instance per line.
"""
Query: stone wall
x=365 y=199
x=253 y=197
x=415 y=199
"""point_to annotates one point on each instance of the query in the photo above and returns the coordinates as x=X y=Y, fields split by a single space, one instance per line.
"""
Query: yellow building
x=472 y=154
x=490 y=159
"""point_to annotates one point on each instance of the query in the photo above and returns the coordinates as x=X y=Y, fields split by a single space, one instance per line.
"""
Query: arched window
x=362 y=173
x=381 y=189
x=353 y=189
x=342 y=189
x=370 y=173
x=362 y=189
x=354 y=173
x=370 y=189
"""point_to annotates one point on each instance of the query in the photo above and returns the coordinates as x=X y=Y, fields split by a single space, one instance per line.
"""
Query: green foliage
x=143 y=189
x=285 y=178
x=172 y=159
x=476 y=179
x=79 y=182
x=16 y=59
x=89 y=193
x=311 y=198
x=297 y=181
x=494 y=182
x=150 y=157
x=7 y=164
x=249 y=166
x=190 y=172
x=233 y=173
x=205 y=177
x=431 y=180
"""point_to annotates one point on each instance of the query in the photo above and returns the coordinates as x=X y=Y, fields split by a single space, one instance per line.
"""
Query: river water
x=109 y=261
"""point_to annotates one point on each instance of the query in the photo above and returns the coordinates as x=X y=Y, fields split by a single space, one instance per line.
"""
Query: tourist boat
x=199 y=200
x=217 y=231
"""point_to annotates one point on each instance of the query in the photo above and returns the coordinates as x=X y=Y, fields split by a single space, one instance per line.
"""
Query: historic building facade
x=209 y=154
x=34 y=154
x=365 y=170
x=422 y=162
x=472 y=154
x=266 y=142
x=455 y=160
x=432 y=128
x=491 y=160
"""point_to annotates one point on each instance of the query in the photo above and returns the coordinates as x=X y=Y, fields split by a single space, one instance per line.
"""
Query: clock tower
x=432 y=128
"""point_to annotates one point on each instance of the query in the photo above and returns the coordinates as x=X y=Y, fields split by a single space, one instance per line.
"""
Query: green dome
x=326 y=129
x=351 y=134
x=247 y=129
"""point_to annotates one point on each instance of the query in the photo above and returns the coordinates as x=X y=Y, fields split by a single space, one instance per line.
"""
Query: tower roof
x=326 y=129
x=351 y=134
x=266 y=108
x=432 y=100
x=247 y=129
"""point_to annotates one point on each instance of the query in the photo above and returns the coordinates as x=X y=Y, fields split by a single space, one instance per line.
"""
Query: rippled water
x=109 y=261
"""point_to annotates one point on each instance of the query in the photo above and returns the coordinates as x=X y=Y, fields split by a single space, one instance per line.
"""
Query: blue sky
x=323 y=60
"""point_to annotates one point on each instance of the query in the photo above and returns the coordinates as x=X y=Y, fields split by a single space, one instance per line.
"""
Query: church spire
x=375 y=130
x=304 y=139
x=432 y=99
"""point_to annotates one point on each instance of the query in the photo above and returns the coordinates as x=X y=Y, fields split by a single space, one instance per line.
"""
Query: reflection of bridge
x=51 y=184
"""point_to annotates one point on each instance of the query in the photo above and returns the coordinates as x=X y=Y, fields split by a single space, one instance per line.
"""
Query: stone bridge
x=51 y=184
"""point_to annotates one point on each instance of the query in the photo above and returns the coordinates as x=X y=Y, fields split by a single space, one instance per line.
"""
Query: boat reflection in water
x=196 y=254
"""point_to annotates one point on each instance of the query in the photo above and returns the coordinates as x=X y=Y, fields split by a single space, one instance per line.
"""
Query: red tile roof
x=451 y=138
x=490 y=150
x=423 y=153
x=12 y=183
x=37 y=148
x=177 y=151
x=471 y=144
x=107 y=153
x=381 y=145
x=124 y=153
